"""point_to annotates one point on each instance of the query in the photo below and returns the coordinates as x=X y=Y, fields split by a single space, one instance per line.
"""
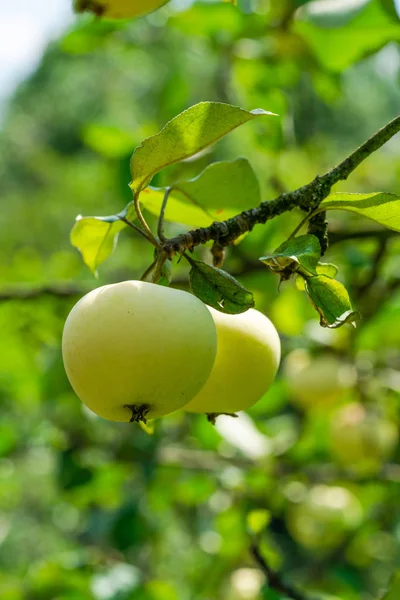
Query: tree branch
x=274 y=579
x=57 y=291
x=307 y=198
x=335 y=237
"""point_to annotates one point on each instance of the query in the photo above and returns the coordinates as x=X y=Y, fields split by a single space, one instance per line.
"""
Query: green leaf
x=384 y=208
x=219 y=289
x=220 y=191
x=178 y=210
x=299 y=254
x=328 y=269
x=394 y=592
x=191 y=131
x=330 y=298
x=96 y=238
x=224 y=188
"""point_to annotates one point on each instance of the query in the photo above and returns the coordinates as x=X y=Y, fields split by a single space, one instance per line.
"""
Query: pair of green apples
x=136 y=350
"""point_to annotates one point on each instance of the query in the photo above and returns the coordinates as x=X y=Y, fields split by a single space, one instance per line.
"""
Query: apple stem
x=139 y=412
x=211 y=417
x=157 y=272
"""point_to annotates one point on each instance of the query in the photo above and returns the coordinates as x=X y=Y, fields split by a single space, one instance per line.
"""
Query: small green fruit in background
x=316 y=382
x=360 y=439
x=118 y=9
x=140 y=345
x=247 y=360
x=323 y=518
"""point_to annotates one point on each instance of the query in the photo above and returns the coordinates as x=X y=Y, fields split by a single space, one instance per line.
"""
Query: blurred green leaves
x=394 y=590
x=339 y=35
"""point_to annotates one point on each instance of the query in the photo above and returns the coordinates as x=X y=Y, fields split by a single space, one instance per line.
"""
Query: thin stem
x=158 y=270
x=143 y=221
x=148 y=270
x=302 y=223
x=160 y=227
x=307 y=198
x=274 y=579
x=135 y=227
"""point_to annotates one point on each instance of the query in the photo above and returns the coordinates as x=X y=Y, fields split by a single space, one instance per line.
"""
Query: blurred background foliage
x=94 y=510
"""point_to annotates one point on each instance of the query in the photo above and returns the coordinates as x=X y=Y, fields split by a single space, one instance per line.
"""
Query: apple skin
x=119 y=9
x=138 y=344
x=322 y=519
x=362 y=440
x=247 y=360
x=316 y=382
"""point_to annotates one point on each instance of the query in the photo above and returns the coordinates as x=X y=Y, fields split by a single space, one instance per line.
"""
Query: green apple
x=247 y=360
x=118 y=9
x=321 y=520
x=136 y=350
x=360 y=439
x=316 y=382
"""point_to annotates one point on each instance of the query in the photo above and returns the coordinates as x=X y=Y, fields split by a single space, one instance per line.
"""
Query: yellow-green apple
x=137 y=350
x=316 y=381
x=360 y=439
x=247 y=360
x=321 y=520
x=118 y=9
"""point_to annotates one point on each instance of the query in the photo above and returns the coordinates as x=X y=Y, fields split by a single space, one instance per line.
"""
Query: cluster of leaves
x=217 y=193
x=91 y=510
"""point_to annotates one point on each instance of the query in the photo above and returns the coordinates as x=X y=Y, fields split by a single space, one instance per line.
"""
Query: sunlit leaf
x=178 y=211
x=331 y=299
x=96 y=238
x=328 y=269
x=219 y=289
x=384 y=208
x=191 y=131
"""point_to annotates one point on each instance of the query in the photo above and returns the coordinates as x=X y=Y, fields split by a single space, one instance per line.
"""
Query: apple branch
x=274 y=579
x=308 y=197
